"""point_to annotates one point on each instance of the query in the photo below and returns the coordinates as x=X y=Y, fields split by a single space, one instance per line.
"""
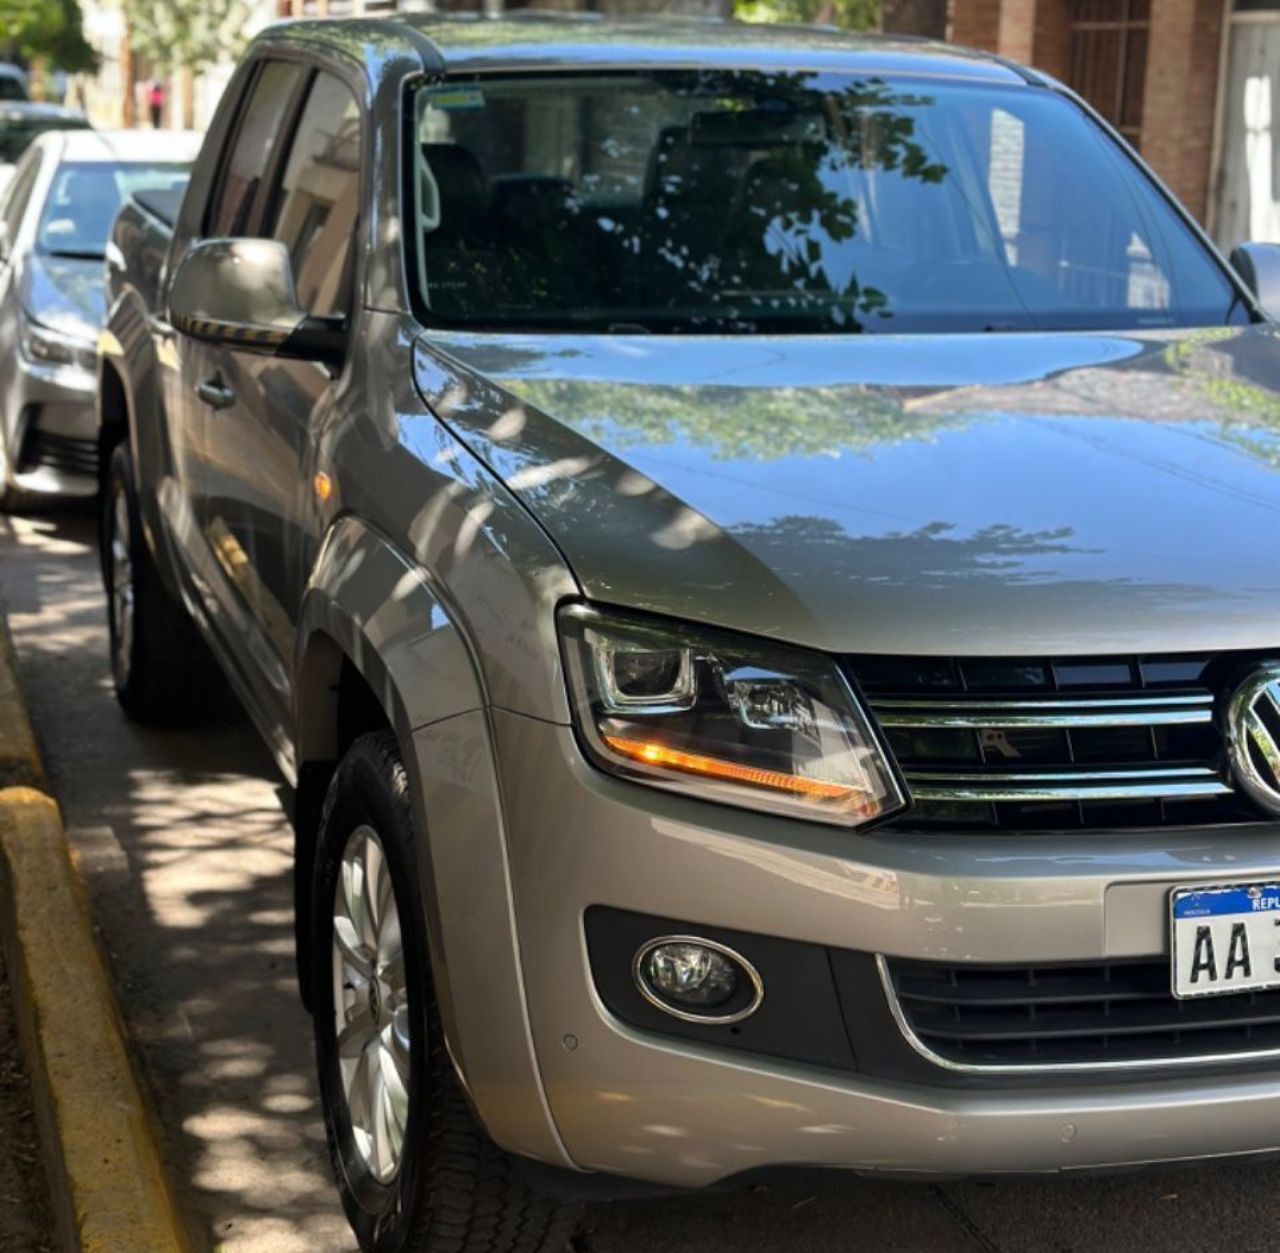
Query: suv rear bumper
x=677 y=1112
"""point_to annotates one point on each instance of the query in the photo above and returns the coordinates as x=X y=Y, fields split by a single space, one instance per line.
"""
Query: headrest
x=460 y=180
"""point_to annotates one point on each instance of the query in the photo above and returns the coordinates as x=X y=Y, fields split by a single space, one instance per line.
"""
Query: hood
x=992 y=494
x=66 y=294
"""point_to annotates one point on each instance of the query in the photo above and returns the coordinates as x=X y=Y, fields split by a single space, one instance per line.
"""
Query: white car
x=55 y=218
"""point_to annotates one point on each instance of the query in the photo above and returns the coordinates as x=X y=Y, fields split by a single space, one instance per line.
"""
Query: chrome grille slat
x=1155 y=702
x=993 y=791
x=985 y=716
x=1055 y=744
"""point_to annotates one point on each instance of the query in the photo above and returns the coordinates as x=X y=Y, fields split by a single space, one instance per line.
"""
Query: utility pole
x=128 y=73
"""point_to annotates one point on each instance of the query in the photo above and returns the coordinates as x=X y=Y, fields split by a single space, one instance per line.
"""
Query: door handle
x=215 y=393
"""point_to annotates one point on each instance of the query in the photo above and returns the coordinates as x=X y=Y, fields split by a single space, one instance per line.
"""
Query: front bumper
x=673 y=1112
x=50 y=436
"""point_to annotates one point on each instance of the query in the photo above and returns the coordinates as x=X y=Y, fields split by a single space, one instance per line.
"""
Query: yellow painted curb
x=111 y=1189
x=19 y=757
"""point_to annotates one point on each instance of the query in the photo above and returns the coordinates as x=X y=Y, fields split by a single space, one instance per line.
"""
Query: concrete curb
x=111 y=1191
x=20 y=763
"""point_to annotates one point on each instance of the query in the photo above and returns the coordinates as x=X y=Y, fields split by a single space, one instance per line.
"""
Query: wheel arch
x=130 y=405
x=378 y=645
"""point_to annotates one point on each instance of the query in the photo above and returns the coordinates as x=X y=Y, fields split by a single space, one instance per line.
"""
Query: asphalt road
x=186 y=850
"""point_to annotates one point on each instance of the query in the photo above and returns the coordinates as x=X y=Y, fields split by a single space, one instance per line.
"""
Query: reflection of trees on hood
x=734 y=423
x=1217 y=363
x=936 y=555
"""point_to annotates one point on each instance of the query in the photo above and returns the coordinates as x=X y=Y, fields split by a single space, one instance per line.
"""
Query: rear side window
x=319 y=197
x=246 y=162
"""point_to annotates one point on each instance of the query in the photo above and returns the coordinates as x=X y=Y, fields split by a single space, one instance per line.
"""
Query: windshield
x=739 y=202
x=85 y=198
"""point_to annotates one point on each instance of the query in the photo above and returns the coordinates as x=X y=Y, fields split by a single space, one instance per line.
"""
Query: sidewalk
x=186 y=853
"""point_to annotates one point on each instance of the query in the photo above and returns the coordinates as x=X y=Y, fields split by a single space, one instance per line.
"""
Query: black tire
x=454 y=1191
x=163 y=672
x=12 y=500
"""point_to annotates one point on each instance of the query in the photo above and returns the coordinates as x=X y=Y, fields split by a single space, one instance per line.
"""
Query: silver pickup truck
x=754 y=549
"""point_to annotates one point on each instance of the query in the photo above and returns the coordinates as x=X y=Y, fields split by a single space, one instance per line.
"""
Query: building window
x=1109 y=41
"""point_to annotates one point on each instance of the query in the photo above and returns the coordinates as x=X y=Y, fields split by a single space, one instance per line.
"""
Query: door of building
x=1247 y=191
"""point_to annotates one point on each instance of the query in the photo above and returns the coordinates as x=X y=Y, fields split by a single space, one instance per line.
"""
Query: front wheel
x=416 y=1171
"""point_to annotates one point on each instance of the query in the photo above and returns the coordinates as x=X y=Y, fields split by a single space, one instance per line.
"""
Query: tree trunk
x=128 y=78
x=916 y=17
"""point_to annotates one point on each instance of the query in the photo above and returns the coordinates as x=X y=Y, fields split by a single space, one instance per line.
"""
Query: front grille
x=1050 y=745
x=1100 y=1013
x=58 y=452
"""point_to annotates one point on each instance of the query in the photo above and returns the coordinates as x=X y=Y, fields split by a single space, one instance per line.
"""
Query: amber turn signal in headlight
x=727 y=718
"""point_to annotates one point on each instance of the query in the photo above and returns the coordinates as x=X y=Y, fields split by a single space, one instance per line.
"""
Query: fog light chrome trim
x=706 y=1020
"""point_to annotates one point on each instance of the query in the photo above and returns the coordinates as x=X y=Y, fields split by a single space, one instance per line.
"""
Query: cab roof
x=526 y=39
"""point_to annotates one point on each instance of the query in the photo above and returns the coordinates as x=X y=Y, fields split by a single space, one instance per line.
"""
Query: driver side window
x=316 y=206
x=247 y=160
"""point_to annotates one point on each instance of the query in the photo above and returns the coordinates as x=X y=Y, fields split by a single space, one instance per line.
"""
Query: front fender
x=370 y=606
x=376 y=606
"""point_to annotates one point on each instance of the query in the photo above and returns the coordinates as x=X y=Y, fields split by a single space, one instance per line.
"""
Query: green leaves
x=187 y=34
x=48 y=30
x=850 y=14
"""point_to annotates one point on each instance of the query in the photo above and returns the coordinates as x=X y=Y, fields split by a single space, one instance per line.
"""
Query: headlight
x=727 y=718
x=49 y=347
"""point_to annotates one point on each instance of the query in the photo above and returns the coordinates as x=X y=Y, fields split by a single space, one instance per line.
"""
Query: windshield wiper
x=75 y=254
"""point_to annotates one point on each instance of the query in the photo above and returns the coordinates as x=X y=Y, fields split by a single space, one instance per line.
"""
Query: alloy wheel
x=371 y=1008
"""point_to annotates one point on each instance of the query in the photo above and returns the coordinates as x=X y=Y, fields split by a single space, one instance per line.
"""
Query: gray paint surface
x=918 y=494
x=184 y=845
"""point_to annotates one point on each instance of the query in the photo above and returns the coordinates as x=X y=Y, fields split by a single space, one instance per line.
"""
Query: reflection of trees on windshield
x=753 y=197
x=672 y=199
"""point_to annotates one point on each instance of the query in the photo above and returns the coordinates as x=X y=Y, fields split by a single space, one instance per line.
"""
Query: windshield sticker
x=453 y=98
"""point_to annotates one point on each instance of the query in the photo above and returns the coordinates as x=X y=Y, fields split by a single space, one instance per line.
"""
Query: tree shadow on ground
x=187 y=852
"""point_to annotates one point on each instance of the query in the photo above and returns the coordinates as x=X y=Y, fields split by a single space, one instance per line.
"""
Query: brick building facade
x=1180 y=78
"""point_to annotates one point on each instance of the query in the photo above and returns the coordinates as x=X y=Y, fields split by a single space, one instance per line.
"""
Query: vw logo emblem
x=1253 y=736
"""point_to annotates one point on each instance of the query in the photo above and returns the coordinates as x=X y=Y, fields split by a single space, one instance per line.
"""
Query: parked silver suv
x=754 y=549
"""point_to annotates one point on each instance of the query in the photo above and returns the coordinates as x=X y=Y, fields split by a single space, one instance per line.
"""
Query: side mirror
x=240 y=294
x=1259 y=266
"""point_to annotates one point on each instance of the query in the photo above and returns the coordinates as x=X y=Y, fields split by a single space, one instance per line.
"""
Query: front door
x=263 y=508
x=213 y=404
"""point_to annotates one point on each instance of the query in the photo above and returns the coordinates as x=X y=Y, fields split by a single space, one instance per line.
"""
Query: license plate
x=1225 y=939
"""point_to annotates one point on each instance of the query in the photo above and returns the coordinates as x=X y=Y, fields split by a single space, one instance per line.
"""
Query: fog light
x=697 y=980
